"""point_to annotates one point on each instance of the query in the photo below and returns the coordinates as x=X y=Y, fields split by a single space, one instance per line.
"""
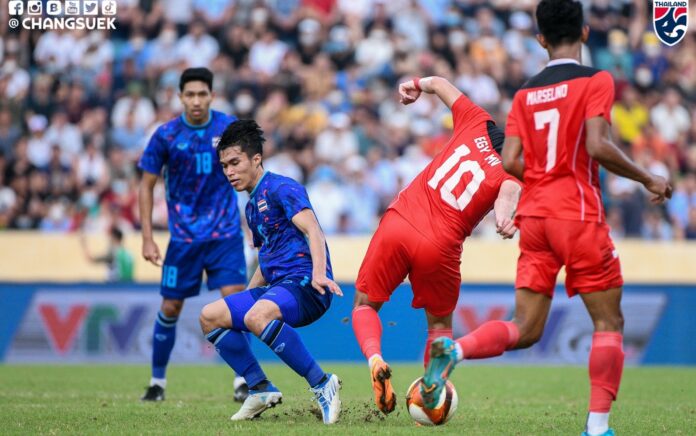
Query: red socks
x=489 y=340
x=432 y=335
x=368 y=330
x=606 y=366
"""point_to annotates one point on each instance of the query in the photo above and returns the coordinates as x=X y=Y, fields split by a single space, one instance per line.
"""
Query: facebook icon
x=16 y=7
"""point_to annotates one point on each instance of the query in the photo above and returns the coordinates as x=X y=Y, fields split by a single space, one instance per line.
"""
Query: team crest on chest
x=262 y=205
x=182 y=145
x=670 y=20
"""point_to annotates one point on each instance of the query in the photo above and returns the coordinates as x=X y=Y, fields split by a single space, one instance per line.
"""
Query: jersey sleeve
x=465 y=112
x=155 y=155
x=293 y=199
x=600 y=96
x=256 y=239
x=511 y=128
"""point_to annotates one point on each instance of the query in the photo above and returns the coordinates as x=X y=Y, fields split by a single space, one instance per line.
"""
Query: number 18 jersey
x=456 y=190
x=548 y=115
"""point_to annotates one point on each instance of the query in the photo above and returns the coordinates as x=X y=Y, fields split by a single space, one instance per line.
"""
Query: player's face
x=241 y=171
x=196 y=98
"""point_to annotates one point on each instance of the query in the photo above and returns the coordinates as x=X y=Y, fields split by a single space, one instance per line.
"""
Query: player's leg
x=438 y=327
x=273 y=319
x=593 y=271
x=606 y=356
x=222 y=322
x=384 y=267
x=225 y=265
x=181 y=278
x=163 y=338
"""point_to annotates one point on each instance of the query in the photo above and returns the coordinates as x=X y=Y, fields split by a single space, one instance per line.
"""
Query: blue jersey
x=284 y=249
x=202 y=205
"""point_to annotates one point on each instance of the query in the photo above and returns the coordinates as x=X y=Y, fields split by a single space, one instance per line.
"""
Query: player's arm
x=512 y=157
x=151 y=251
x=257 y=279
x=411 y=90
x=505 y=206
x=602 y=149
x=307 y=223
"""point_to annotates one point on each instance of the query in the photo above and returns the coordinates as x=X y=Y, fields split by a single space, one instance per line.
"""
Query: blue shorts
x=300 y=304
x=222 y=260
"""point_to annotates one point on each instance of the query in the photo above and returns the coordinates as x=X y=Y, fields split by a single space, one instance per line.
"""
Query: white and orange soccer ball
x=440 y=414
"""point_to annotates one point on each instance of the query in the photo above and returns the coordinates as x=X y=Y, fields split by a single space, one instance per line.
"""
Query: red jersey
x=458 y=188
x=548 y=114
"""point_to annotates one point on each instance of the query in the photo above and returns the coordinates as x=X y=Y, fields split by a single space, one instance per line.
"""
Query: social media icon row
x=58 y=7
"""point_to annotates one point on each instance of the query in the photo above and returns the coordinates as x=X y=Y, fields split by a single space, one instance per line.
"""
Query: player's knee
x=208 y=318
x=361 y=299
x=171 y=308
x=256 y=320
x=610 y=323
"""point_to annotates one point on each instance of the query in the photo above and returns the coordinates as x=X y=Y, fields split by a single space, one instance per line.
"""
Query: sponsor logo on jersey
x=182 y=145
x=215 y=141
x=670 y=20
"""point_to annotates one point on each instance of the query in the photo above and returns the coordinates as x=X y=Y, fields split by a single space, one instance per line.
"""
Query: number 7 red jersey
x=548 y=114
x=456 y=190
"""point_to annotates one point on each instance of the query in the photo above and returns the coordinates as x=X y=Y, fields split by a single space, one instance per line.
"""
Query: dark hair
x=196 y=74
x=116 y=233
x=560 y=21
x=243 y=133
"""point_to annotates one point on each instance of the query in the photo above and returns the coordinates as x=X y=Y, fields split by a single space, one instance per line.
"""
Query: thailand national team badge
x=670 y=20
x=262 y=205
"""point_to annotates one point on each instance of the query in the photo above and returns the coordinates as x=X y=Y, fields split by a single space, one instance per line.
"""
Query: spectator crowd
x=78 y=107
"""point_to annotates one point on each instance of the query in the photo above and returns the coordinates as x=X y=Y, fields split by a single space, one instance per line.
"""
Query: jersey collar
x=198 y=126
x=253 y=191
x=562 y=61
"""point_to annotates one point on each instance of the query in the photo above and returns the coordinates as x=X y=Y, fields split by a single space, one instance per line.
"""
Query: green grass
x=493 y=400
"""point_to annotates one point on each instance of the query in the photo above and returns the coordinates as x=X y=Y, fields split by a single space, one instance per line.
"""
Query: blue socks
x=233 y=347
x=163 y=338
x=286 y=343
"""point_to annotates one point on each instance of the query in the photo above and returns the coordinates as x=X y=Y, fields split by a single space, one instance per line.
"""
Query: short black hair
x=243 y=133
x=116 y=233
x=196 y=74
x=560 y=21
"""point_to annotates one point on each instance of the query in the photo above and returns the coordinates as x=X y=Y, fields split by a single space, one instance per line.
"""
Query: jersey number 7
x=465 y=166
x=553 y=118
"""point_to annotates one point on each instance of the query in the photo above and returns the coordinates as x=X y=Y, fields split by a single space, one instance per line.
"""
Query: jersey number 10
x=466 y=166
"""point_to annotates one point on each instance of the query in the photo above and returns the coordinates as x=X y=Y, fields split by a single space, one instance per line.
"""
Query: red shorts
x=585 y=249
x=398 y=250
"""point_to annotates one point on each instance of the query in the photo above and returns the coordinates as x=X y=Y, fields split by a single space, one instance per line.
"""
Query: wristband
x=416 y=84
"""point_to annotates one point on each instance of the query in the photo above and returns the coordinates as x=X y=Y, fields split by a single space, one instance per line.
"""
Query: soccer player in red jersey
x=422 y=232
x=559 y=125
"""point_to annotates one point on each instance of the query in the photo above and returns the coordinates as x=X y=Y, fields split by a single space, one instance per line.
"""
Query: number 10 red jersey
x=456 y=190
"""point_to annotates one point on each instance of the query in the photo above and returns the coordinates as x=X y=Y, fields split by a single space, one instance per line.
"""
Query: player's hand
x=505 y=227
x=321 y=283
x=408 y=93
x=660 y=187
x=151 y=252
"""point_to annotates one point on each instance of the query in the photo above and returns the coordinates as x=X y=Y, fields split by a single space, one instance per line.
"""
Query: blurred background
x=77 y=109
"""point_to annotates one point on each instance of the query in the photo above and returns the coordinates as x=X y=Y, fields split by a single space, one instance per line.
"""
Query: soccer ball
x=446 y=405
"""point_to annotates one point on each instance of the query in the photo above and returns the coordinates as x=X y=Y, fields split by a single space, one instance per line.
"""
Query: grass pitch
x=493 y=400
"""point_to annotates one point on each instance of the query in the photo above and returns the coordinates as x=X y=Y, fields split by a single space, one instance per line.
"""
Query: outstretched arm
x=307 y=223
x=505 y=207
x=602 y=149
x=411 y=90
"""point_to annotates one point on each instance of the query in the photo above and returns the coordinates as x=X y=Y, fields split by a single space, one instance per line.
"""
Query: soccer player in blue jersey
x=292 y=287
x=204 y=221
